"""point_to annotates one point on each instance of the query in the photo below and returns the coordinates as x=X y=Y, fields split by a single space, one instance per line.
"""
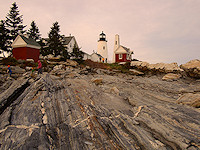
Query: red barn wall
x=33 y=53
x=26 y=53
x=20 y=53
x=124 y=59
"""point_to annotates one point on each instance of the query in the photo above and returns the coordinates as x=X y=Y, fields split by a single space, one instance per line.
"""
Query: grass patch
x=114 y=66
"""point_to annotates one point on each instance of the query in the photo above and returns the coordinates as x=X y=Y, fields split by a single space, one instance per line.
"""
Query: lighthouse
x=116 y=46
x=102 y=46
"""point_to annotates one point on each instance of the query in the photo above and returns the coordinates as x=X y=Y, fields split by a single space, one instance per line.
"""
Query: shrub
x=10 y=61
x=92 y=64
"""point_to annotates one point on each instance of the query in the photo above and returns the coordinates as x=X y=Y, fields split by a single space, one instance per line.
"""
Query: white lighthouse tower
x=116 y=46
x=102 y=47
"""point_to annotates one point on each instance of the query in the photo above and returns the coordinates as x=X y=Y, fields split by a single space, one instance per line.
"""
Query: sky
x=156 y=30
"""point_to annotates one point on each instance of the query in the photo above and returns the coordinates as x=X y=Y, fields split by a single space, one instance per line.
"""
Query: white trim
x=120 y=56
x=22 y=45
x=25 y=45
x=33 y=46
x=120 y=50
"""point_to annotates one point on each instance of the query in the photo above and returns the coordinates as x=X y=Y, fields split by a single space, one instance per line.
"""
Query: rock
x=57 y=67
x=71 y=113
x=104 y=71
x=72 y=75
x=86 y=70
x=117 y=71
x=71 y=63
x=114 y=90
x=160 y=67
x=97 y=81
x=17 y=70
x=189 y=99
x=31 y=81
x=28 y=68
x=172 y=67
x=66 y=63
x=21 y=61
x=192 y=68
x=30 y=60
x=171 y=77
x=135 y=72
x=14 y=89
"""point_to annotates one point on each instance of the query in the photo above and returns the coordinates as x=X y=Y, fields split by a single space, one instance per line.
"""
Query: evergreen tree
x=4 y=38
x=55 y=42
x=14 y=21
x=44 y=49
x=77 y=53
x=33 y=32
x=65 y=54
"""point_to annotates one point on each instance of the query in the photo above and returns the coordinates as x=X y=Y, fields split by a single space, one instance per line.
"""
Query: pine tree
x=4 y=38
x=77 y=53
x=44 y=49
x=65 y=54
x=33 y=32
x=55 y=42
x=14 y=21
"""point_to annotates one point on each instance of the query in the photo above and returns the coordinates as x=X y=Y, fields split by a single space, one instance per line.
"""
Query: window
x=120 y=56
x=103 y=47
x=115 y=42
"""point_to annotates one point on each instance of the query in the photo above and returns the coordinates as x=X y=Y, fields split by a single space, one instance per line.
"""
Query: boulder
x=28 y=68
x=172 y=67
x=30 y=60
x=171 y=77
x=68 y=62
x=192 y=68
x=160 y=67
x=140 y=64
x=189 y=99
x=57 y=67
x=21 y=61
x=97 y=81
x=114 y=90
x=17 y=70
x=135 y=72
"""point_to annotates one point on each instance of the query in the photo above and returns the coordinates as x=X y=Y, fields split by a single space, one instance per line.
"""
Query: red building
x=121 y=54
x=25 y=48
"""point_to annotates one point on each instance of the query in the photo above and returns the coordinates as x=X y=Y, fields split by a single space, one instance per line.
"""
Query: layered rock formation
x=159 y=67
x=192 y=68
x=61 y=111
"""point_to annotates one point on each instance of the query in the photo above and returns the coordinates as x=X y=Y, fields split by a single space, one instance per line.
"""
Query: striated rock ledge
x=192 y=68
x=159 y=67
x=58 y=111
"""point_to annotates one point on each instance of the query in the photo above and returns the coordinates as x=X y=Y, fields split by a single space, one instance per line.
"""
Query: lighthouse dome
x=102 y=37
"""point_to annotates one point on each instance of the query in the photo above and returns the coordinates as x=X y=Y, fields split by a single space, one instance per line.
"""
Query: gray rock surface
x=73 y=113
x=189 y=99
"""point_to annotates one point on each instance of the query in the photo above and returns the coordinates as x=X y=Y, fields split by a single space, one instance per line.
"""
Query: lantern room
x=102 y=37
